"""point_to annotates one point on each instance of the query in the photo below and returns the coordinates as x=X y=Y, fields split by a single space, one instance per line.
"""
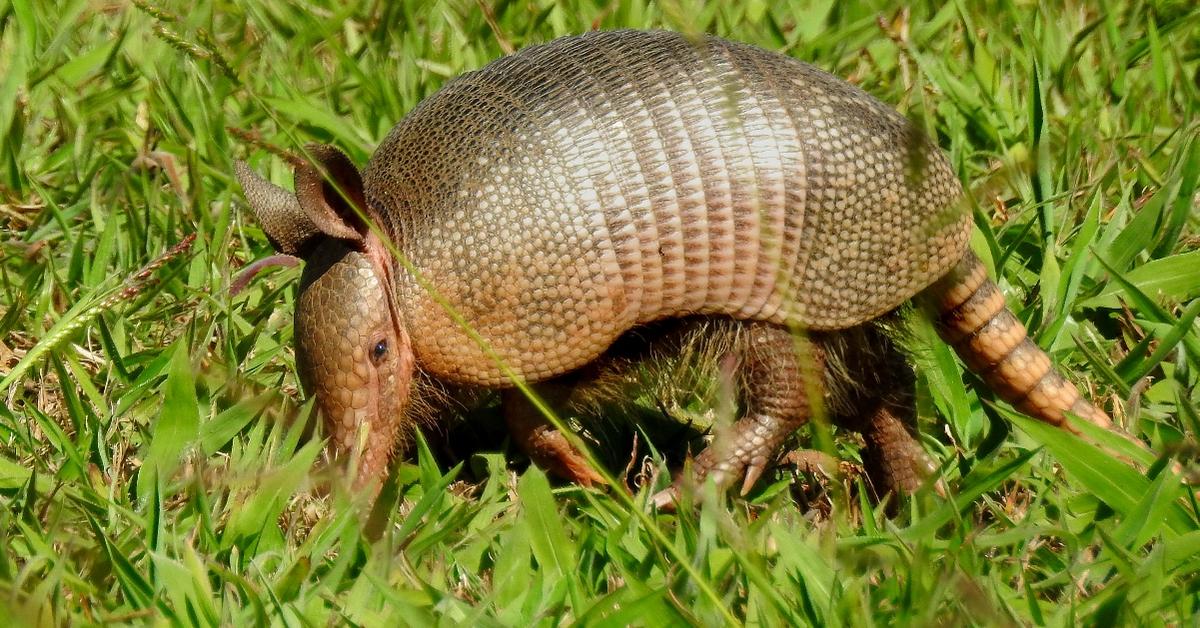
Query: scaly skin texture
x=345 y=353
x=565 y=194
x=562 y=196
x=973 y=318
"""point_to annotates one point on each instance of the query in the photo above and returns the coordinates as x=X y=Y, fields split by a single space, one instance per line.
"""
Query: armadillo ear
x=278 y=212
x=329 y=189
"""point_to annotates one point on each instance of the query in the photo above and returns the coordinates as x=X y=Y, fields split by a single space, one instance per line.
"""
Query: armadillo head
x=352 y=350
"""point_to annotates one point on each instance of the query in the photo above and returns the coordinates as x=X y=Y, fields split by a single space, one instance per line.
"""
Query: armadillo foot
x=816 y=462
x=742 y=453
x=541 y=441
x=745 y=452
x=894 y=460
x=885 y=414
x=665 y=500
x=773 y=370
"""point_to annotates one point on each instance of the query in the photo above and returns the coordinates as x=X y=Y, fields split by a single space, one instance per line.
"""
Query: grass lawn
x=154 y=466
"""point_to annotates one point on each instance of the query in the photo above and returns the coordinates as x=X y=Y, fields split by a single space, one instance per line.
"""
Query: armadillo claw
x=723 y=473
x=745 y=451
x=542 y=442
x=753 y=472
x=666 y=499
x=551 y=451
x=571 y=465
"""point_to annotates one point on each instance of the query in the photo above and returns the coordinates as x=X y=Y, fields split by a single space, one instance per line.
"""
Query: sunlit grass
x=154 y=461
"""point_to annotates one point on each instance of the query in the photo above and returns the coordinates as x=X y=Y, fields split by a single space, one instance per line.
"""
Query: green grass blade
x=1109 y=479
x=552 y=548
x=177 y=427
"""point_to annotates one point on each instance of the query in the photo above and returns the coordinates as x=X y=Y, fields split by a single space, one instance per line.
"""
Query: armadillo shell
x=561 y=195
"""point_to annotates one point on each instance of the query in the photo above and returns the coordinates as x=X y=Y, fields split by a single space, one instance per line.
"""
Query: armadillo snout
x=352 y=357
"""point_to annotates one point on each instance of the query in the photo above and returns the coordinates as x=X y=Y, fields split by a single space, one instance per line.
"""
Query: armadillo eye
x=378 y=351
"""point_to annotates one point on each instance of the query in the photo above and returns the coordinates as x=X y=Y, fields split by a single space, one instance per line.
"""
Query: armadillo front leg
x=540 y=440
x=777 y=370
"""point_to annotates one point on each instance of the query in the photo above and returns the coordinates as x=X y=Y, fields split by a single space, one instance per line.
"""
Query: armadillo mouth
x=374 y=446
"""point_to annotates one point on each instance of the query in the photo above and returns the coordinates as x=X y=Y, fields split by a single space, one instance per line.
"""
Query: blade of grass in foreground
x=973 y=488
x=1108 y=479
x=177 y=427
x=1175 y=277
x=551 y=546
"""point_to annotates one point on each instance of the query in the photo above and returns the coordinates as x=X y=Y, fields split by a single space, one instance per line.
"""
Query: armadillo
x=520 y=220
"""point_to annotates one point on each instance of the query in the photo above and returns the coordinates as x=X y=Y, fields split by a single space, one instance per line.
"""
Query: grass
x=153 y=461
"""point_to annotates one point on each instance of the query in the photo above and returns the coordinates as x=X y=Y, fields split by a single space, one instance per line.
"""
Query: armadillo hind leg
x=540 y=440
x=870 y=388
x=892 y=456
x=774 y=368
x=972 y=317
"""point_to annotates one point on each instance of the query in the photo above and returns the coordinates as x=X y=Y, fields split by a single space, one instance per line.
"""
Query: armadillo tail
x=973 y=318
